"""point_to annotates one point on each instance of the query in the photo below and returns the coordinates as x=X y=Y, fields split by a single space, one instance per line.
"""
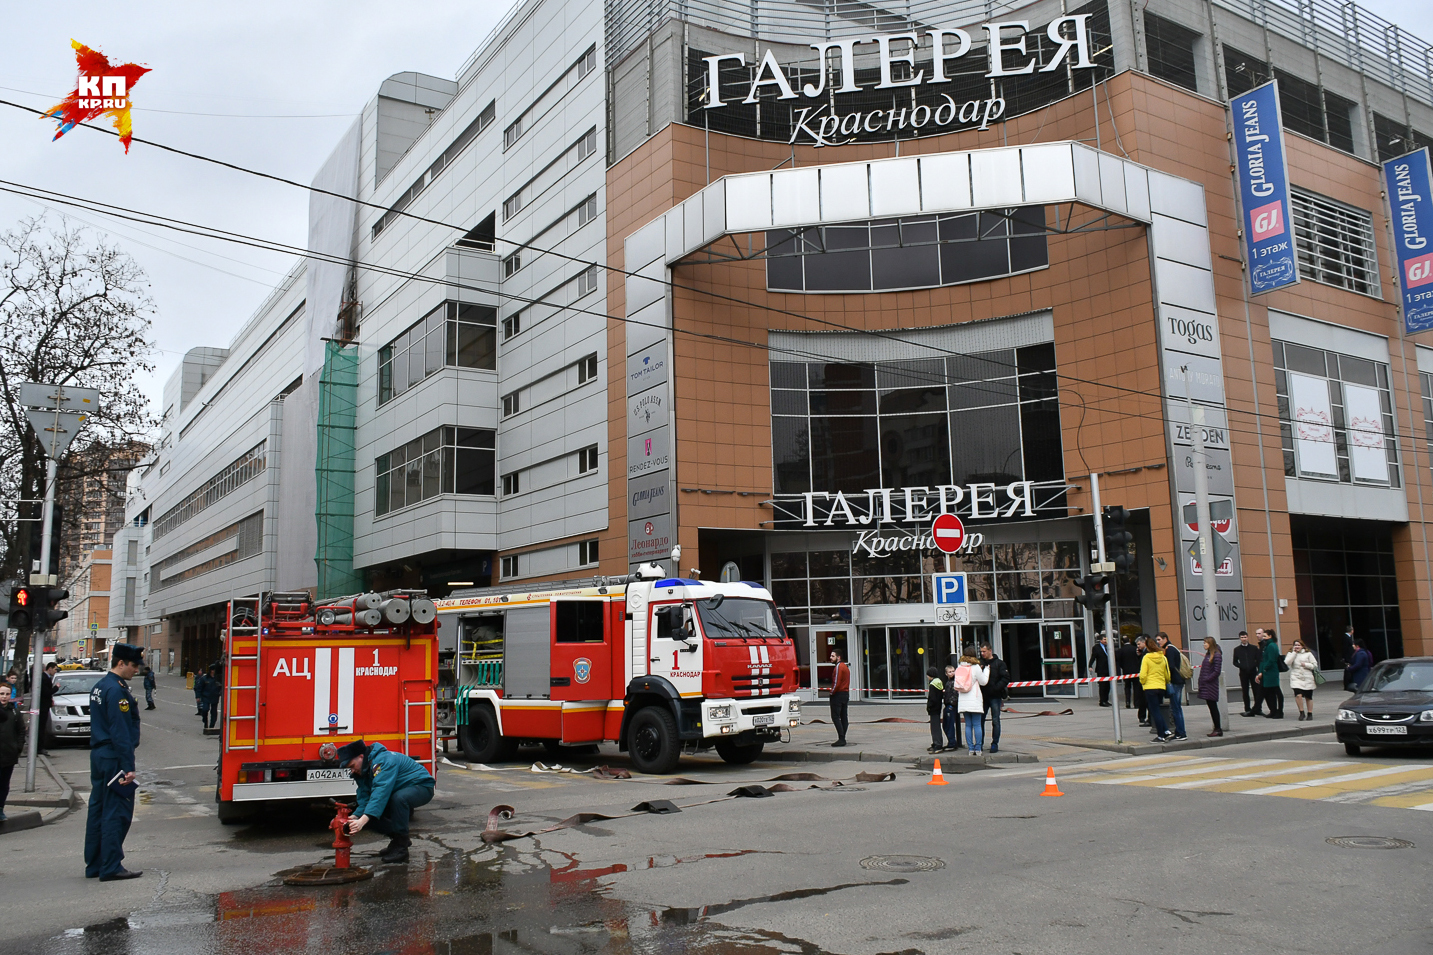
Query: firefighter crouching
x=390 y=787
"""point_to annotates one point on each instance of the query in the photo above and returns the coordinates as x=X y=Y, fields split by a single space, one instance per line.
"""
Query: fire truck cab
x=300 y=676
x=659 y=665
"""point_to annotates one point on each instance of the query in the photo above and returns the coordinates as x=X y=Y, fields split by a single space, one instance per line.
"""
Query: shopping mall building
x=780 y=280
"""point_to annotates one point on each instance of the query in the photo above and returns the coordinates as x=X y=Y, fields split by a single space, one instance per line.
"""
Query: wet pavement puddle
x=495 y=900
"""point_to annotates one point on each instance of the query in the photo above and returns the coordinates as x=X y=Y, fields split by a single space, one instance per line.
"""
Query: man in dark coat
x=47 y=700
x=994 y=692
x=149 y=686
x=1349 y=649
x=1100 y=665
x=12 y=742
x=209 y=697
x=1246 y=661
x=1358 y=666
x=1126 y=665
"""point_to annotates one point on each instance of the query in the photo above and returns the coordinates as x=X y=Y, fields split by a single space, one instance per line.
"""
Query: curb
x=20 y=821
x=916 y=762
x=66 y=793
x=1228 y=739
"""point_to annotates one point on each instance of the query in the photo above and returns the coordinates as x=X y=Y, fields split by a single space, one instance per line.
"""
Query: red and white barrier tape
x=1083 y=679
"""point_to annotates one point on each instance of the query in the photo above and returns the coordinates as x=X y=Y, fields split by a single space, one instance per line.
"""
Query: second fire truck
x=659 y=665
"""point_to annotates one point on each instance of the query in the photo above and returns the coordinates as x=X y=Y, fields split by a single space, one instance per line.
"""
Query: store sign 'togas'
x=1006 y=56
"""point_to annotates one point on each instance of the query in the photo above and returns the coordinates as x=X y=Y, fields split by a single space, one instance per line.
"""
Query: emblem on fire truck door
x=582 y=669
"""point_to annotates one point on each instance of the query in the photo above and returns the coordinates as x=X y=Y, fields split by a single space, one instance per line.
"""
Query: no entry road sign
x=949 y=533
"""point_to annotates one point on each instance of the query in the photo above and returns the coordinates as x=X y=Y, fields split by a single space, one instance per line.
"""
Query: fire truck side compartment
x=527 y=656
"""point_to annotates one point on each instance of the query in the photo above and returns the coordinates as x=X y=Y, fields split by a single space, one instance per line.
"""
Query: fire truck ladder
x=245 y=620
x=425 y=688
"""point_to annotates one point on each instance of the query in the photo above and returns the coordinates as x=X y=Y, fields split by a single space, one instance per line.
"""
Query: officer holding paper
x=114 y=734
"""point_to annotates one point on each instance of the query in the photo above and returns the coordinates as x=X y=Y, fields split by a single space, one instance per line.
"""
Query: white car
x=70 y=711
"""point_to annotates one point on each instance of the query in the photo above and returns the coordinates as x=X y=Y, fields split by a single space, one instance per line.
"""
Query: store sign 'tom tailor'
x=1006 y=53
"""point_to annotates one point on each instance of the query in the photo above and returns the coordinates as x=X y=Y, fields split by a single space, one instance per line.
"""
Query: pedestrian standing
x=1350 y=647
x=1100 y=664
x=1268 y=675
x=970 y=676
x=1358 y=666
x=1302 y=666
x=12 y=742
x=1154 y=678
x=1246 y=661
x=1176 y=683
x=840 y=697
x=1127 y=666
x=951 y=717
x=1209 y=672
x=47 y=700
x=995 y=690
x=114 y=735
x=149 y=688
x=1141 y=647
x=934 y=703
x=209 y=697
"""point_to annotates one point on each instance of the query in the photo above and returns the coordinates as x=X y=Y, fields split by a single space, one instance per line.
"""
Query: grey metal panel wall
x=527 y=653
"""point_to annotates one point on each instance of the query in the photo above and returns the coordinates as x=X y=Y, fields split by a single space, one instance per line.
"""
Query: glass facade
x=444 y=461
x=1344 y=573
x=454 y=335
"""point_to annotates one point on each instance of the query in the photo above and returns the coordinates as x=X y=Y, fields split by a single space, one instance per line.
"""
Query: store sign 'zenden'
x=1006 y=54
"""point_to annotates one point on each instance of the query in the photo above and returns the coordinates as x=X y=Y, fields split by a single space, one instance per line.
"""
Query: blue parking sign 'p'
x=949 y=589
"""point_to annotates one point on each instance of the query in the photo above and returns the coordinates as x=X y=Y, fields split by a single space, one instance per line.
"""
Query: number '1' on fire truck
x=299 y=675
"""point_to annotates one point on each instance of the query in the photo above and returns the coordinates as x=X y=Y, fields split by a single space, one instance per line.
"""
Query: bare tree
x=74 y=310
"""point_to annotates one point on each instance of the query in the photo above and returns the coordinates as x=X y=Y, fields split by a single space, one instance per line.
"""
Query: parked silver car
x=70 y=712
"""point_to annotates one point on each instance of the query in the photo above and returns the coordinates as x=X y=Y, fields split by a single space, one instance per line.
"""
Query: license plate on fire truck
x=766 y=719
x=328 y=774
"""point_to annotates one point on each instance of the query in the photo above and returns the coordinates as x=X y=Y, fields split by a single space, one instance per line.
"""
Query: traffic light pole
x=1206 y=542
x=37 y=637
x=1109 y=623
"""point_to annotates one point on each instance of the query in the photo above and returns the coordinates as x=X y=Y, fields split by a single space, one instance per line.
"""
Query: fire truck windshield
x=739 y=617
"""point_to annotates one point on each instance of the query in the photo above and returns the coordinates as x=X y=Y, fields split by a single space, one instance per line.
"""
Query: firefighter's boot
x=397 y=850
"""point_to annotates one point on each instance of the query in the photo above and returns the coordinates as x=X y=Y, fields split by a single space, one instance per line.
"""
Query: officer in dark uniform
x=114 y=734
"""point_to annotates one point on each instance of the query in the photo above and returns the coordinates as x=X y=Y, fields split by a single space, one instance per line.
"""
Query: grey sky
x=313 y=58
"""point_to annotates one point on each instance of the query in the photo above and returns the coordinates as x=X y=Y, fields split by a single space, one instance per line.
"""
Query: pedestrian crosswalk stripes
x=1401 y=785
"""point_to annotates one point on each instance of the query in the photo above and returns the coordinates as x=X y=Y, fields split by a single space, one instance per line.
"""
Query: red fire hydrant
x=341 y=842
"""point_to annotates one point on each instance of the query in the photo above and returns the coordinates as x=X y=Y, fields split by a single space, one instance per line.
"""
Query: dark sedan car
x=1393 y=708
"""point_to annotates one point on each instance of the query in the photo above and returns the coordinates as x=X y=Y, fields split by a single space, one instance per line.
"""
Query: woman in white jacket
x=1302 y=665
x=969 y=677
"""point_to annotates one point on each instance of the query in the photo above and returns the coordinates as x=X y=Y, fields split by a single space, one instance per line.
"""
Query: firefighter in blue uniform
x=390 y=787
x=114 y=734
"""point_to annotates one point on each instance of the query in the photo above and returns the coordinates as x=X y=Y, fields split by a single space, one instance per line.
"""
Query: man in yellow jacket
x=1154 y=678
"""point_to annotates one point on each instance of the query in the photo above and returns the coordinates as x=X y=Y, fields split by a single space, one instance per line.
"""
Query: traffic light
x=1094 y=596
x=22 y=606
x=47 y=610
x=1117 y=538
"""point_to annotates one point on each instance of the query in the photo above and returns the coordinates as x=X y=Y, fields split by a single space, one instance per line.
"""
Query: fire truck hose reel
x=395 y=610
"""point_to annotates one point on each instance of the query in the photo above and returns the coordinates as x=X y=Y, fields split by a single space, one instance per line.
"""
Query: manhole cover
x=902 y=863
x=1369 y=842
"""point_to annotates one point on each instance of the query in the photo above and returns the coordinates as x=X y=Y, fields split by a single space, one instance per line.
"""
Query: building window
x=512 y=264
x=248 y=537
x=587 y=145
x=511 y=484
x=512 y=404
x=1344 y=573
x=587 y=460
x=1336 y=416
x=510 y=566
x=454 y=335
x=587 y=552
x=1426 y=381
x=240 y=471
x=483 y=121
x=1307 y=108
x=587 y=281
x=586 y=369
x=512 y=325
x=1395 y=139
x=587 y=211
x=915 y=252
x=1335 y=243
x=1171 y=51
x=132 y=551
x=447 y=460
x=851 y=426
x=511 y=207
x=129 y=594
x=481 y=237
x=588 y=62
x=513 y=133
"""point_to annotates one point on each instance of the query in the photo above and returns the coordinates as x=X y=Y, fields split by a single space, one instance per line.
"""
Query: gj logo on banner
x=1409 y=183
x=1264 y=189
x=102 y=89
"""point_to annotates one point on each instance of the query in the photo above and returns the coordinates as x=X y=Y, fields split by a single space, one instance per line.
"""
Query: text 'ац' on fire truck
x=303 y=677
x=659 y=665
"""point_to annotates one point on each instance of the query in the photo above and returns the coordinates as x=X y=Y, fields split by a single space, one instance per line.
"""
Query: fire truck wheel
x=654 y=744
x=480 y=740
x=233 y=813
x=730 y=752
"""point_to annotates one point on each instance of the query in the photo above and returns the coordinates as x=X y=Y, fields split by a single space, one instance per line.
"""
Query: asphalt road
x=1218 y=851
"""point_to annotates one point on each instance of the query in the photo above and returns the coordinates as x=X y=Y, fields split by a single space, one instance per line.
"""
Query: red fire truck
x=659 y=665
x=300 y=674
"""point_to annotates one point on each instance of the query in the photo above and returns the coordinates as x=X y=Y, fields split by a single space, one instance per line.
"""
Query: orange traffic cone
x=936 y=778
x=1050 y=788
